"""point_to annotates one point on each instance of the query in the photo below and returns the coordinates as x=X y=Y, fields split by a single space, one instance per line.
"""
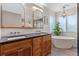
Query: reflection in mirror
x=12 y=15
x=38 y=17
x=28 y=15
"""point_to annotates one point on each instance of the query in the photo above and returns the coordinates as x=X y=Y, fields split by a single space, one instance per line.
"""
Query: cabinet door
x=46 y=45
x=36 y=43
x=25 y=48
x=37 y=46
x=44 y=48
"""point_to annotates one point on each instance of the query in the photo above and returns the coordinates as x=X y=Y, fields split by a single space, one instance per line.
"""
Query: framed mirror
x=12 y=15
x=38 y=18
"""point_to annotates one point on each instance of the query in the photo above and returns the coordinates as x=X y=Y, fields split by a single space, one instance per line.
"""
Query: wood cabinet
x=46 y=45
x=36 y=46
x=42 y=45
x=21 y=48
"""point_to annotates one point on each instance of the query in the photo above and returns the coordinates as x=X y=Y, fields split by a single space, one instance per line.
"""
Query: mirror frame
x=34 y=20
x=21 y=20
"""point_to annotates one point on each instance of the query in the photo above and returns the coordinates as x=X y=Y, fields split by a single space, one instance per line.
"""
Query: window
x=72 y=23
x=69 y=24
x=52 y=24
x=62 y=22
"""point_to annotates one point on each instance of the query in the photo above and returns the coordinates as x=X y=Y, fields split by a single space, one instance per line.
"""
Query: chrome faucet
x=18 y=32
x=14 y=33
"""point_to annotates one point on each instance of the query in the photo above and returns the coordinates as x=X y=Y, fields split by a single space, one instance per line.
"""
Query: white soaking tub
x=63 y=41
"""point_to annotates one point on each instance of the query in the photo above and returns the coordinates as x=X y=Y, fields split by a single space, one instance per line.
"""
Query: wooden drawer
x=16 y=45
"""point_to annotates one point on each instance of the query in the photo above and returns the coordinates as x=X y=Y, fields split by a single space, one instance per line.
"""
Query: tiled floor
x=63 y=52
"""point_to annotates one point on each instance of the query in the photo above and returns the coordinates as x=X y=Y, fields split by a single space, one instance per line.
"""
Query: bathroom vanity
x=34 y=44
x=31 y=45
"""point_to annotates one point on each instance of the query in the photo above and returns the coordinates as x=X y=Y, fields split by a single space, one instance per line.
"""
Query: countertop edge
x=4 y=42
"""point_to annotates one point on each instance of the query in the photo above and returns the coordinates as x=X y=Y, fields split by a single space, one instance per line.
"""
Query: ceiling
x=59 y=6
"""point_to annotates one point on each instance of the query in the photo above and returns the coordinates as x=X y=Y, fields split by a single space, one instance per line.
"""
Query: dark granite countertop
x=5 y=39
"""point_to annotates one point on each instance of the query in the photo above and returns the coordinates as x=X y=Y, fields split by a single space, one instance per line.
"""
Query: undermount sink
x=14 y=38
